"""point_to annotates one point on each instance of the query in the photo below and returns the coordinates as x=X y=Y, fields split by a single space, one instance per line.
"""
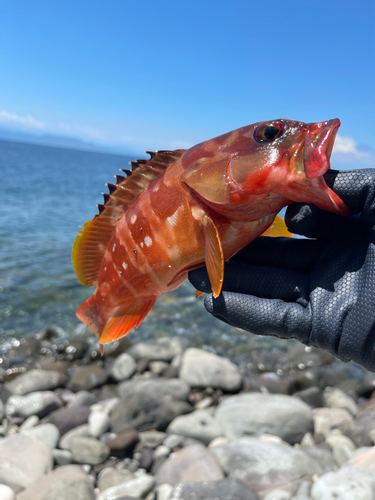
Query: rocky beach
x=162 y=420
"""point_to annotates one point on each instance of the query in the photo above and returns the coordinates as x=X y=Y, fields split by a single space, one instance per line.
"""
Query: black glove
x=320 y=292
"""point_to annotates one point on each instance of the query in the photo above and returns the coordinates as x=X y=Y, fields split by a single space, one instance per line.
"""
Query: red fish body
x=184 y=209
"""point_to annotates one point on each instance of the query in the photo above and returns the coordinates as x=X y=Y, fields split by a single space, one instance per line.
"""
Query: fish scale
x=183 y=209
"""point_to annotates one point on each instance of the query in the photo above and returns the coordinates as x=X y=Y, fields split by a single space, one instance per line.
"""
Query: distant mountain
x=58 y=141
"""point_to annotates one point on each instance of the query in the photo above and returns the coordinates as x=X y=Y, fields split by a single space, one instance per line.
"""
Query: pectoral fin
x=214 y=256
x=278 y=228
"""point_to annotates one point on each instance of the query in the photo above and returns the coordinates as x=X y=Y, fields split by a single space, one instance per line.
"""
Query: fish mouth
x=319 y=141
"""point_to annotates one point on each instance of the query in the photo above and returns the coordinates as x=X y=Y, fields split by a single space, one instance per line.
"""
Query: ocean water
x=47 y=193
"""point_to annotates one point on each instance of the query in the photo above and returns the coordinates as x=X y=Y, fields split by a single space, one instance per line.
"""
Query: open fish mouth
x=319 y=142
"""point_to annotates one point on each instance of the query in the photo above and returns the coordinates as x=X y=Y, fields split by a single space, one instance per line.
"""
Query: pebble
x=326 y=418
x=137 y=487
x=123 y=442
x=99 y=422
x=264 y=465
x=174 y=441
x=164 y=492
x=333 y=397
x=223 y=489
x=48 y=434
x=62 y=457
x=200 y=424
x=348 y=483
x=201 y=369
x=152 y=439
x=278 y=495
x=124 y=367
x=81 y=398
x=35 y=380
x=64 y=483
x=88 y=450
x=79 y=431
x=39 y=403
x=161 y=349
x=87 y=378
x=6 y=493
x=256 y=414
x=192 y=463
x=23 y=460
x=158 y=368
x=109 y=477
x=66 y=419
x=29 y=423
x=336 y=439
x=162 y=451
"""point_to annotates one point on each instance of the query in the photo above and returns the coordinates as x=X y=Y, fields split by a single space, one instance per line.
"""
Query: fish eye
x=268 y=132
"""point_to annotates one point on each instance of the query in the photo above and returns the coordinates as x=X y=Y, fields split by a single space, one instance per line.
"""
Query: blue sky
x=157 y=75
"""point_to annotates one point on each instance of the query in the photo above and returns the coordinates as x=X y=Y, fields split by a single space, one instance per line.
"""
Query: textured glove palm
x=321 y=291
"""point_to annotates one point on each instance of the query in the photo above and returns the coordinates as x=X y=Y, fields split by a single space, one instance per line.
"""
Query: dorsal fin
x=92 y=239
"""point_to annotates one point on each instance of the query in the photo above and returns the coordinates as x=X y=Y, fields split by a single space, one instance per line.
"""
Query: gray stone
x=23 y=460
x=138 y=487
x=336 y=439
x=199 y=424
x=110 y=476
x=29 y=423
x=162 y=349
x=124 y=367
x=48 y=434
x=88 y=450
x=333 y=397
x=6 y=493
x=311 y=396
x=87 y=378
x=82 y=398
x=348 y=483
x=62 y=457
x=99 y=422
x=223 y=489
x=36 y=380
x=202 y=369
x=80 y=431
x=64 y=483
x=265 y=465
x=2 y=410
x=327 y=418
x=162 y=451
x=174 y=441
x=152 y=439
x=367 y=385
x=192 y=463
x=278 y=495
x=35 y=403
x=255 y=414
x=164 y=492
x=66 y=419
x=149 y=404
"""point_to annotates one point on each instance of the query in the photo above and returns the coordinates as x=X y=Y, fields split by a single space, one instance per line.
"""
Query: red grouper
x=183 y=209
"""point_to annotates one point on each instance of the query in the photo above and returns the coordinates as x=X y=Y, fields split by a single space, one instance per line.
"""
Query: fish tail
x=110 y=324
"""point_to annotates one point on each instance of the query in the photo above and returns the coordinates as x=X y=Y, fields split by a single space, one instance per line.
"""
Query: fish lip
x=319 y=141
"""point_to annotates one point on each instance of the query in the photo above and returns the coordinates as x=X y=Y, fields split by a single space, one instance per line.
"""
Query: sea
x=47 y=193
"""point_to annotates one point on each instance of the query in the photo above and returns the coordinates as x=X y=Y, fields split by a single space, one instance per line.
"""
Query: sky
x=163 y=75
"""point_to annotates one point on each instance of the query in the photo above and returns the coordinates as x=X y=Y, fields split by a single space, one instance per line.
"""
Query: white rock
x=36 y=403
x=202 y=369
x=110 y=477
x=29 y=423
x=62 y=457
x=81 y=430
x=161 y=349
x=163 y=492
x=88 y=450
x=336 y=440
x=348 y=483
x=162 y=451
x=326 y=418
x=23 y=460
x=6 y=493
x=124 y=367
x=199 y=424
x=333 y=397
x=35 y=380
x=278 y=495
x=98 y=422
x=48 y=434
x=342 y=454
x=137 y=487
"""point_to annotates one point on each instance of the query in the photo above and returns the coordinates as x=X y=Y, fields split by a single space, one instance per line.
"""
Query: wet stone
x=80 y=431
x=161 y=349
x=124 y=367
x=138 y=487
x=62 y=457
x=199 y=424
x=88 y=450
x=87 y=378
x=123 y=443
x=48 y=434
x=333 y=397
x=146 y=458
x=311 y=396
x=82 y=398
x=38 y=403
x=36 y=380
x=66 y=419
x=110 y=476
x=152 y=439
x=224 y=489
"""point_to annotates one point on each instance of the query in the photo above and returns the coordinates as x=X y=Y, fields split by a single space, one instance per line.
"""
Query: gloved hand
x=320 y=292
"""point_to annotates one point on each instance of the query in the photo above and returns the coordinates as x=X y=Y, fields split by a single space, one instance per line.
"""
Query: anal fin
x=126 y=317
x=198 y=293
x=214 y=256
x=278 y=228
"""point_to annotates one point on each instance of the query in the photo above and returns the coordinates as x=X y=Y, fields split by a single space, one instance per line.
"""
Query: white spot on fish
x=105 y=269
x=114 y=247
x=133 y=218
x=142 y=244
x=156 y=188
x=169 y=266
x=148 y=241
x=124 y=265
x=173 y=219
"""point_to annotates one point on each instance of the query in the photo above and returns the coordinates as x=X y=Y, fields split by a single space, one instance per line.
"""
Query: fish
x=183 y=209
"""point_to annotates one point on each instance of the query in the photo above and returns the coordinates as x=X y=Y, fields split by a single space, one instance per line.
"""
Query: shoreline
x=163 y=420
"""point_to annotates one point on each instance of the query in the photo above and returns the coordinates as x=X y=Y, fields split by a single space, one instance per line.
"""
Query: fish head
x=263 y=167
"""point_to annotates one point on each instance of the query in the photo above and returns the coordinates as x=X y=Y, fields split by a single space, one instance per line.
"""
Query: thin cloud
x=27 y=121
x=346 y=145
